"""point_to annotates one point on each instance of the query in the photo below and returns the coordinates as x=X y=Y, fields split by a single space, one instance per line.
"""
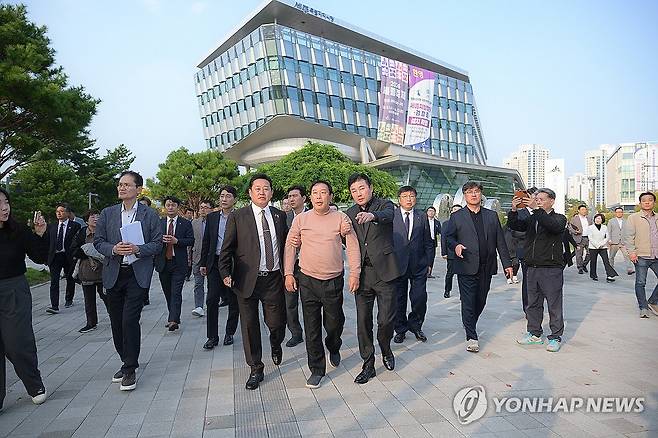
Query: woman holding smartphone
x=16 y=334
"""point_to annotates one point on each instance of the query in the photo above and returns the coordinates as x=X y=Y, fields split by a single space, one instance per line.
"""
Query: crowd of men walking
x=260 y=256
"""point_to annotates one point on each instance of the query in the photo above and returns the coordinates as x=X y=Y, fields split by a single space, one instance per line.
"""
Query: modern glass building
x=289 y=74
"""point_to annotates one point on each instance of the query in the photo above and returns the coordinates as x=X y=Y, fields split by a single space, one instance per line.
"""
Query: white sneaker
x=472 y=345
x=509 y=281
x=198 y=312
x=40 y=398
x=515 y=279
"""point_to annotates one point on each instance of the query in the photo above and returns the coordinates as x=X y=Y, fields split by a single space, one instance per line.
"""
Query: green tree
x=193 y=177
x=98 y=174
x=40 y=186
x=320 y=161
x=42 y=117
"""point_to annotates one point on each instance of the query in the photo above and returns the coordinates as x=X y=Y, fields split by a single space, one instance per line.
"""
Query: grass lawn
x=36 y=277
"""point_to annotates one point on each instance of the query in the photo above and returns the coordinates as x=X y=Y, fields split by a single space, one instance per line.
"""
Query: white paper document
x=132 y=233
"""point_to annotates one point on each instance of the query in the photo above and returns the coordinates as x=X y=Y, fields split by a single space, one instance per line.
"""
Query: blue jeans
x=641 y=269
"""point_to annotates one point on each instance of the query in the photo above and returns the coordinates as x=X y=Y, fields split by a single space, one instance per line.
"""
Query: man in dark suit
x=475 y=234
x=213 y=239
x=435 y=232
x=297 y=202
x=251 y=262
x=127 y=270
x=60 y=256
x=171 y=263
x=414 y=249
x=446 y=254
x=372 y=219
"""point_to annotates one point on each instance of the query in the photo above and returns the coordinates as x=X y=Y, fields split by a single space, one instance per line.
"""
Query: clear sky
x=566 y=74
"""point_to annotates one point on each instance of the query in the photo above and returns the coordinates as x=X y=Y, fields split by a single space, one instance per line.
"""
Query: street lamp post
x=90 y=196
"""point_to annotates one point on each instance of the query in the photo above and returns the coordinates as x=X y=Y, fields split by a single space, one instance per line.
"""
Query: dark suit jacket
x=108 y=234
x=72 y=229
x=185 y=235
x=462 y=231
x=209 y=245
x=240 y=254
x=290 y=216
x=417 y=253
x=445 y=251
x=376 y=238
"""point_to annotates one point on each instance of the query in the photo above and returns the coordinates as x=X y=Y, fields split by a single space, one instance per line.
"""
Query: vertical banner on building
x=419 y=110
x=554 y=179
x=392 y=100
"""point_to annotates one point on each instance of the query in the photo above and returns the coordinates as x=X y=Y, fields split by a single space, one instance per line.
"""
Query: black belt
x=125 y=267
x=266 y=273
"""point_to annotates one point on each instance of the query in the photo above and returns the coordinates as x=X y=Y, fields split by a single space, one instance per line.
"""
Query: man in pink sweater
x=319 y=233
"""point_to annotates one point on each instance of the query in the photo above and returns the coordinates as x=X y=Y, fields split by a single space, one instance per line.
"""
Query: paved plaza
x=185 y=391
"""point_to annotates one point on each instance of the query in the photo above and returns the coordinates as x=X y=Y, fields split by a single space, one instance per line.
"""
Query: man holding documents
x=129 y=236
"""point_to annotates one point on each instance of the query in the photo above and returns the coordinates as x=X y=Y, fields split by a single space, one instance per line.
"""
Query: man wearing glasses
x=127 y=270
x=474 y=234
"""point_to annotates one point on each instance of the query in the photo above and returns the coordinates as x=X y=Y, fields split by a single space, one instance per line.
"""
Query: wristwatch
x=137 y=253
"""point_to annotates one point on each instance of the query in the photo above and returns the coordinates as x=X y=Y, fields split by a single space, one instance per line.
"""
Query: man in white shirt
x=435 y=231
x=578 y=229
x=615 y=225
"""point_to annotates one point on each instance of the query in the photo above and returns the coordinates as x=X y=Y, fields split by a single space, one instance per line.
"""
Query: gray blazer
x=108 y=234
x=575 y=228
x=197 y=227
x=614 y=231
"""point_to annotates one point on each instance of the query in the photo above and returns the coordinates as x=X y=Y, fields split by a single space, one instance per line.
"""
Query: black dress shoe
x=399 y=338
x=68 y=304
x=295 y=340
x=254 y=379
x=211 y=343
x=365 y=375
x=595 y=278
x=223 y=303
x=147 y=302
x=420 y=336
x=228 y=340
x=580 y=271
x=334 y=359
x=446 y=294
x=389 y=362
x=585 y=268
x=173 y=326
x=277 y=355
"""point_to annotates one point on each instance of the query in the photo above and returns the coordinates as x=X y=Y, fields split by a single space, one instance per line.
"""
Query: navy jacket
x=445 y=251
x=417 y=253
x=461 y=230
x=185 y=235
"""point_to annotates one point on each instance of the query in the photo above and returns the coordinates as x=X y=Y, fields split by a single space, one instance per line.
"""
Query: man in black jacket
x=545 y=261
x=60 y=256
x=372 y=219
x=449 y=256
x=474 y=234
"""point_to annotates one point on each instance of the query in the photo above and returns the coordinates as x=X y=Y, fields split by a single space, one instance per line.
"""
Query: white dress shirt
x=175 y=219
x=59 y=225
x=128 y=217
x=411 y=220
x=275 y=245
x=431 y=221
x=584 y=225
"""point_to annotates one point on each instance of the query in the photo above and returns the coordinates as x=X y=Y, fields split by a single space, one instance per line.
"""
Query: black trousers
x=124 y=304
x=292 y=308
x=269 y=290
x=322 y=304
x=17 y=342
x=417 y=294
x=372 y=288
x=89 y=292
x=216 y=291
x=545 y=284
x=473 y=291
x=60 y=262
x=593 y=254
x=449 y=275
x=172 y=279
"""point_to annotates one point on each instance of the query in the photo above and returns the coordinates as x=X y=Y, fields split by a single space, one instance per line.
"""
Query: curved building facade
x=289 y=74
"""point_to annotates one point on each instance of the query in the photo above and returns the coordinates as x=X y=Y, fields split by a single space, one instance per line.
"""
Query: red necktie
x=169 y=253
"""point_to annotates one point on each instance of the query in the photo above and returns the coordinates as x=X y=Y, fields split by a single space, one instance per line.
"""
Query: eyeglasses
x=408 y=196
x=472 y=192
x=125 y=185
